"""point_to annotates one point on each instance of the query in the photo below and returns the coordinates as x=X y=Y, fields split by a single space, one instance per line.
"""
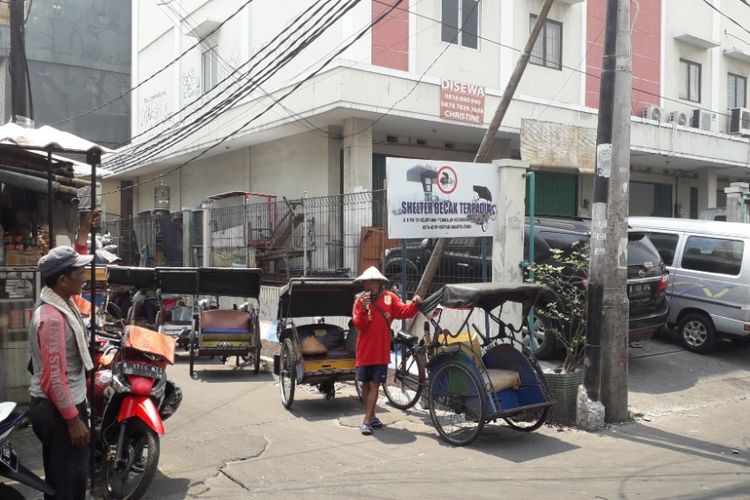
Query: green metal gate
x=556 y=194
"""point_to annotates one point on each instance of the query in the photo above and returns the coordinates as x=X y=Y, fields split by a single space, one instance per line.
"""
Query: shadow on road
x=394 y=436
x=519 y=447
x=234 y=375
x=315 y=407
x=167 y=488
x=733 y=491
x=645 y=435
x=662 y=366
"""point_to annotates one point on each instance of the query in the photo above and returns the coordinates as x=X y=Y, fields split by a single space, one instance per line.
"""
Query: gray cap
x=60 y=258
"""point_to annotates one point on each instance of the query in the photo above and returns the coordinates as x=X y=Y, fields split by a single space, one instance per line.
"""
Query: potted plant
x=562 y=310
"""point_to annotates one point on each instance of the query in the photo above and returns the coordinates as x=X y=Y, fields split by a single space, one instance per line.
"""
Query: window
x=736 y=91
x=562 y=241
x=665 y=244
x=713 y=255
x=690 y=80
x=209 y=69
x=461 y=22
x=548 y=48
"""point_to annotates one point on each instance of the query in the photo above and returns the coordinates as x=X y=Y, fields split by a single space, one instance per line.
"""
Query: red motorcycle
x=132 y=398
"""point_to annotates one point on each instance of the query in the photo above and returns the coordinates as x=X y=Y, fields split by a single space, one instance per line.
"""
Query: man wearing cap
x=374 y=310
x=60 y=359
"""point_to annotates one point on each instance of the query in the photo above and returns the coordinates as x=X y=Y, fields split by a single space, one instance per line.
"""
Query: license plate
x=8 y=457
x=639 y=291
x=142 y=370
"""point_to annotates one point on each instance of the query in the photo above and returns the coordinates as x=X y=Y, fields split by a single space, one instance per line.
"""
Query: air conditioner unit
x=679 y=117
x=704 y=120
x=739 y=122
x=652 y=112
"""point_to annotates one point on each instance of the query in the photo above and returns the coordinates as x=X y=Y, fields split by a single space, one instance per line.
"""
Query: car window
x=641 y=251
x=471 y=246
x=562 y=241
x=666 y=244
x=713 y=255
x=541 y=249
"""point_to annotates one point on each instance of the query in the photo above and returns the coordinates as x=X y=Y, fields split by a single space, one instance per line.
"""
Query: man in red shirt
x=374 y=310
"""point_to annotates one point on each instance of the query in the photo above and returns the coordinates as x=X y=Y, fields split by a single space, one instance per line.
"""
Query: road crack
x=222 y=471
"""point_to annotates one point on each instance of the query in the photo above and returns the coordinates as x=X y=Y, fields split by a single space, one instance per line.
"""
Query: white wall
x=561 y=85
x=291 y=166
x=192 y=184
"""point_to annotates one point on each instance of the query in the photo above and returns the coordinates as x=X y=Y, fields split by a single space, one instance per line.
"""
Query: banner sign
x=433 y=199
x=462 y=102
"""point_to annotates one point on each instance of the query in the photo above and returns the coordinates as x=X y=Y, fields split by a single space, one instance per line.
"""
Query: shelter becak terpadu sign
x=434 y=199
x=463 y=102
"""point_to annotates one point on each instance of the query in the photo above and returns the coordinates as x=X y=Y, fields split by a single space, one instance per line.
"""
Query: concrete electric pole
x=18 y=81
x=489 y=137
x=606 y=376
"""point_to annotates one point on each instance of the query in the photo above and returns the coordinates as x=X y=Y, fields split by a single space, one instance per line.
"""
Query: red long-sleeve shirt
x=374 y=340
x=58 y=370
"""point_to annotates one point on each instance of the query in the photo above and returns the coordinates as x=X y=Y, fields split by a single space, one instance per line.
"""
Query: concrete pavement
x=231 y=438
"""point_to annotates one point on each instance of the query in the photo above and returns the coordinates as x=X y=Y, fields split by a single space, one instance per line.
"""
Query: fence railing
x=338 y=235
x=149 y=239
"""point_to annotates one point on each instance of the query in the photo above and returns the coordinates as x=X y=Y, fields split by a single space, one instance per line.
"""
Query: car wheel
x=697 y=333
x=545 y=341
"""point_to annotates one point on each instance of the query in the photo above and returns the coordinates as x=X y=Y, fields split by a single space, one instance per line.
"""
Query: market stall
x=39 y=207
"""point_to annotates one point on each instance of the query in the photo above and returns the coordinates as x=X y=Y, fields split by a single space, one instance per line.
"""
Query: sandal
x=375 y=423
x=365 y=429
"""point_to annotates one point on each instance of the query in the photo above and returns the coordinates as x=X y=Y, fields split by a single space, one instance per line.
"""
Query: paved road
x=232 y=439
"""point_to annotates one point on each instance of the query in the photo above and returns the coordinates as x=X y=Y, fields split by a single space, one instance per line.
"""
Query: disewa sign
x=463 y=102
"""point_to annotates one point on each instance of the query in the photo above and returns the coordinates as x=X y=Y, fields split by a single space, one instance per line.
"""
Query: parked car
x=462 y=262
x=709 y=280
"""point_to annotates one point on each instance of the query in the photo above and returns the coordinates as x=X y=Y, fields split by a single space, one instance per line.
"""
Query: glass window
x=641 y=251
x=666 y=244
x=713 y=255
x=736 y=91
x=210 y=69
x=547 y=50
x=460 y=23
x=690 y=80
x=563 y=241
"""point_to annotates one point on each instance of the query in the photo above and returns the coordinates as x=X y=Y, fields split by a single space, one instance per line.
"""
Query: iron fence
x=148 y=239
x=335 y=236
x=324 y=236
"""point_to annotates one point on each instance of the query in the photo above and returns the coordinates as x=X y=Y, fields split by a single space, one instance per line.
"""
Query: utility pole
x=489 y=137
x=606 y=375
x=18 y=62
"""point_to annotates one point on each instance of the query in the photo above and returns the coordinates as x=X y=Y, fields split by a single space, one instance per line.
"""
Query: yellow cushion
x=311 y=345
x=503 y=379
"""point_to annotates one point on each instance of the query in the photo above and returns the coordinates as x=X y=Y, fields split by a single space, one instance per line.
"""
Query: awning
x=48 y=139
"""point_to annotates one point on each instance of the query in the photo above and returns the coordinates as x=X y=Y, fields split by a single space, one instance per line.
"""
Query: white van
x=709 y=277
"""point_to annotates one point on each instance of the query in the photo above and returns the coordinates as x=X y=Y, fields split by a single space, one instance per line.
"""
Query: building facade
x=236 y=111
x=78 y=54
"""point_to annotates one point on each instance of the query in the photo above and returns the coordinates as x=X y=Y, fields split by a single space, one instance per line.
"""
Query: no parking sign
x=434 y=199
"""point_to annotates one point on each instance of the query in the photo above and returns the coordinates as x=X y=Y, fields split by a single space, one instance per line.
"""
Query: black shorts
x=372 y=373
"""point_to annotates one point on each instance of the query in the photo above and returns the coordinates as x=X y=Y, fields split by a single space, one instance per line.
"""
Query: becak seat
x=219 y=328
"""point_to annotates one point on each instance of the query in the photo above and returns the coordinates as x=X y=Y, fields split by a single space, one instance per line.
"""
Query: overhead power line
x=152 y=147
x=247 y=123
x=728 y=17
